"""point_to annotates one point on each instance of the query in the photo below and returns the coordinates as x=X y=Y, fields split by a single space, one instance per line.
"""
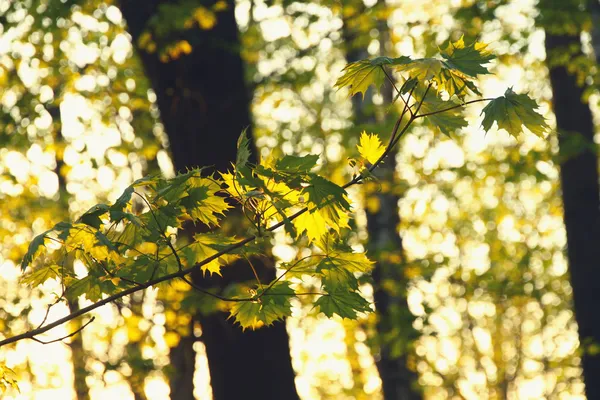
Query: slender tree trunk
x=78 y=355
x=580 y=192
x=204 y=105
x=385 y=246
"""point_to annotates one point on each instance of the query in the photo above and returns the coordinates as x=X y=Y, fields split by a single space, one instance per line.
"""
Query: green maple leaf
x=342 y=302
x=40 y=275
x=513 y=111
x=202 y=202
x=122 y=201
x=296 y=164
x=469 y=59
x=272 y=306
x=206 y=245
x=243 y=149
x=36 y=246
x=322 y=192
x=446 y=122
x=337 y=277
x=359 y=75
x=92 y=216
x=422 y=69
x=131 y=235
x=88 y=286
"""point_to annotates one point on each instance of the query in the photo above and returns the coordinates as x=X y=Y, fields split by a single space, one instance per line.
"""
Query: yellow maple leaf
x=313 y=223
x=370 y=147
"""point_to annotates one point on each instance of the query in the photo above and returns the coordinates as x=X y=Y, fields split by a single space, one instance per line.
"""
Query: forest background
x=474 y=280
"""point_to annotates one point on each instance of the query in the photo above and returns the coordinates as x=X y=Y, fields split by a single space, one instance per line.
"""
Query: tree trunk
x=580 y=192
x=78 y=354
x=78 y=357
x=385 y=247
x=204 y=105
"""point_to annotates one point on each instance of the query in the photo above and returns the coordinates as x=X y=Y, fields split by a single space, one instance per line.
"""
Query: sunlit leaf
x=342 y=302
x=359 y=75
x=469 y=59
x=513 y=111
x=296 y=164
x=40 y=275
x=243 y=149
x=446 y=122
x=370 y=147
x=422 y=69
x=207 y=245
x=92 y=216
x=313 y=223
x=274 y=305
x=35 y=247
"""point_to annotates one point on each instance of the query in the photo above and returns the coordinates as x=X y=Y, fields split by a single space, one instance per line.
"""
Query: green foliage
x=267 y=306
x=343 y=303
x=358 y=76
x=511 y=112
x=452 y=74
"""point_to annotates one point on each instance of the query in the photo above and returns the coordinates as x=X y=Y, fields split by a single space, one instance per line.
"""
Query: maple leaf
x=296 y=164
x=202 y=203
x=468 y=59
x=269 y=307
x=370 y=147
x=513 y=111
x=243 y=150
x=343 y=303
x=446 y=122
x=359 y=75
x=92 y=216
x=422 y=69
x=207 y=245
x=41 y=275
x=313 y=223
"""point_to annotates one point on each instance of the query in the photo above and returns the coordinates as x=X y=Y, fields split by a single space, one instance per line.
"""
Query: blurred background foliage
x=471 y=283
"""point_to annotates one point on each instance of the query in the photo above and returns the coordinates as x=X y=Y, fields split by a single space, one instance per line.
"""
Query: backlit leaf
x=206 y=245
x=342 y=302
x=274 y=305
x=359 y=75
x=92 y=216
x=243 y=149
x=513 y=111
x=446 y=122
x=370 y=147
x=469 y=59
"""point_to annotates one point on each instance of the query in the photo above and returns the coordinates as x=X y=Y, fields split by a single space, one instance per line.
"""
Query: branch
x=75 y=332
x=451 y=108
x=406 y=106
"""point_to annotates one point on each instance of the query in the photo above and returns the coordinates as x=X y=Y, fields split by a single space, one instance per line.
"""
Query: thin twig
x=217 y=296
x=75 y=332
x=452 y=108
x=398 y=91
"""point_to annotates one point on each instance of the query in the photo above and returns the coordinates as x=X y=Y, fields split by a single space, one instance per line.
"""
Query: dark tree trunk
x=204 y=105
x=593 y=8
x=580 y=191
x=385 y=243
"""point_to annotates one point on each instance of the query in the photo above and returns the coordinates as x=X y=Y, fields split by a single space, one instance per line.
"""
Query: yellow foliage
x=370 y=147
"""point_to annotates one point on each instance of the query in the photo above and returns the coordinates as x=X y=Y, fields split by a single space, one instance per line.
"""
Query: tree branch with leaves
x=127 y=248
